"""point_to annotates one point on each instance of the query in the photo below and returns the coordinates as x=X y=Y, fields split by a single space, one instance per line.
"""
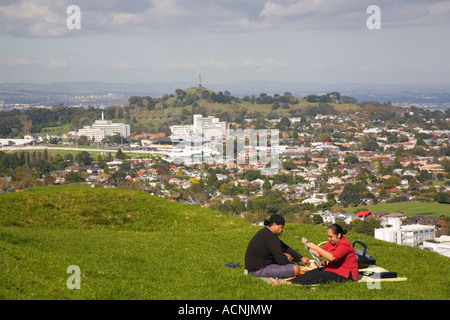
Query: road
x=79 y=149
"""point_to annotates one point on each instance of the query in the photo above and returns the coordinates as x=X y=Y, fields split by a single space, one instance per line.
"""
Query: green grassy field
x=130 y=245
x=57 y=130
x=410 y=208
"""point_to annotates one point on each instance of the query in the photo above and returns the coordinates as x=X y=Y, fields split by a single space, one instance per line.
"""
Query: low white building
x=442 y=246
x=182 y=131
x=16 y=142
x=104 y=128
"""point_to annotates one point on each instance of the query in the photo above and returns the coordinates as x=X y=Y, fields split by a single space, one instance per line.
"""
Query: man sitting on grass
x=267 y=256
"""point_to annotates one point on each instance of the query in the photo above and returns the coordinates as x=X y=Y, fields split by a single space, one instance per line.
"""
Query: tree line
x=27 y=168
x=15 y=123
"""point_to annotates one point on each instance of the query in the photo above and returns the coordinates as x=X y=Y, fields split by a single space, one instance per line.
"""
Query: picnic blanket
x=370 y=274
x=375 y=273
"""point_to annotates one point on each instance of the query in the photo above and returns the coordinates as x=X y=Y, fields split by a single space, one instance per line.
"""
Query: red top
x=345 y=260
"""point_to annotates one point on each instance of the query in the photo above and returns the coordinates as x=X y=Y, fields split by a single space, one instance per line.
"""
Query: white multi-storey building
x=104 y=128
x=203 y=127
x=208 y=127
x=411 y=235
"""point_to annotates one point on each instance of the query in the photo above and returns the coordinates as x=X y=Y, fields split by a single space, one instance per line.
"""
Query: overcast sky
x=325 y=41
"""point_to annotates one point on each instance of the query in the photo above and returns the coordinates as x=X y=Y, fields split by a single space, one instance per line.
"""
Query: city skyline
x=224 y=41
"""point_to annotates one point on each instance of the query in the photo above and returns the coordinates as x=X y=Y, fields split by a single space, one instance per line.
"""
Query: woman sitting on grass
x=342 y=261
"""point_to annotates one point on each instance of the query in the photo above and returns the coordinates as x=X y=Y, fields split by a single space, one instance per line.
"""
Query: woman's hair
x=336 y=229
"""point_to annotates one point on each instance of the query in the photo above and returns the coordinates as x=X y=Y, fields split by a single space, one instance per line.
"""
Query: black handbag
x=364 y=259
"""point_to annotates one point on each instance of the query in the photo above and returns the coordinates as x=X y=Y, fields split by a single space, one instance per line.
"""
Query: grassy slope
x=130 y=245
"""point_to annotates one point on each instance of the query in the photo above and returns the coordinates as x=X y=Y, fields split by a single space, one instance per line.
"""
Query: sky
x=171 y=41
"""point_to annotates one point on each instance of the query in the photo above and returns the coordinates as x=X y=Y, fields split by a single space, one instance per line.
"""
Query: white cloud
x=45 y=18
x=17 y=62
x=123 y=18
x=365 y=69
x=123 y=65
x=262 y=39
x=56 y=64
x=268 y=65
x=275 y=9
x=160 y=10
x=200 y=65
x=24 y=62
x=166 y=9
x=32 y=18
x=351 y=14
x=323 y=67
x=416 y=13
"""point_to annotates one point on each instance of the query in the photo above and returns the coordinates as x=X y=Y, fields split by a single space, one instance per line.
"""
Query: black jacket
x=266 y=248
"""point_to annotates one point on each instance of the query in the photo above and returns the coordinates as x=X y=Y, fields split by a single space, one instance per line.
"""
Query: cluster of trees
x=276 y=99
x=332 y=97
x=353 y=193
x=15 y=123
x=10 y=123
x=27 y=168
x=181 y=99
x=143 y=102
x=39 y=161
x=385 y=113
x=322 y=108
x=366 y=226
x=221 y=97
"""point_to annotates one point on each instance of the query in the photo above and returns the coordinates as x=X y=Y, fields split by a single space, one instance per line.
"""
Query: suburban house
x=316 y=199
x=363 y=214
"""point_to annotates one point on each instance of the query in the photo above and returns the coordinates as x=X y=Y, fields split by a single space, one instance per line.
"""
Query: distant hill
x=130 y=245
x=155 y=114
x=396 y=93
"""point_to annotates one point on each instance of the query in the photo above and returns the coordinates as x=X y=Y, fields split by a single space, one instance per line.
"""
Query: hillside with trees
x=148 y=114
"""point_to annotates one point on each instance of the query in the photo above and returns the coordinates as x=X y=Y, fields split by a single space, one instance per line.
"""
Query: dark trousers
x=317 y=276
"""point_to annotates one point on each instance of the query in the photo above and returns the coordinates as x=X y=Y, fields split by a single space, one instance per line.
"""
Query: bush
x=366 y=227
x=443 y=197
x=73 y=177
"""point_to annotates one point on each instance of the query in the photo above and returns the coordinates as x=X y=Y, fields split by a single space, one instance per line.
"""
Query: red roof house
x=363 y=214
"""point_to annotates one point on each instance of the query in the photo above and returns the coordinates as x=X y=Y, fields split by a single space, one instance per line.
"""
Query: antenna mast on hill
x=199 y=80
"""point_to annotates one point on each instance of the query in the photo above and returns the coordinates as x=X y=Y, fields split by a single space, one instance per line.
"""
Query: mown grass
x=409 y=208
x=130 y=245
x=56 y=130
